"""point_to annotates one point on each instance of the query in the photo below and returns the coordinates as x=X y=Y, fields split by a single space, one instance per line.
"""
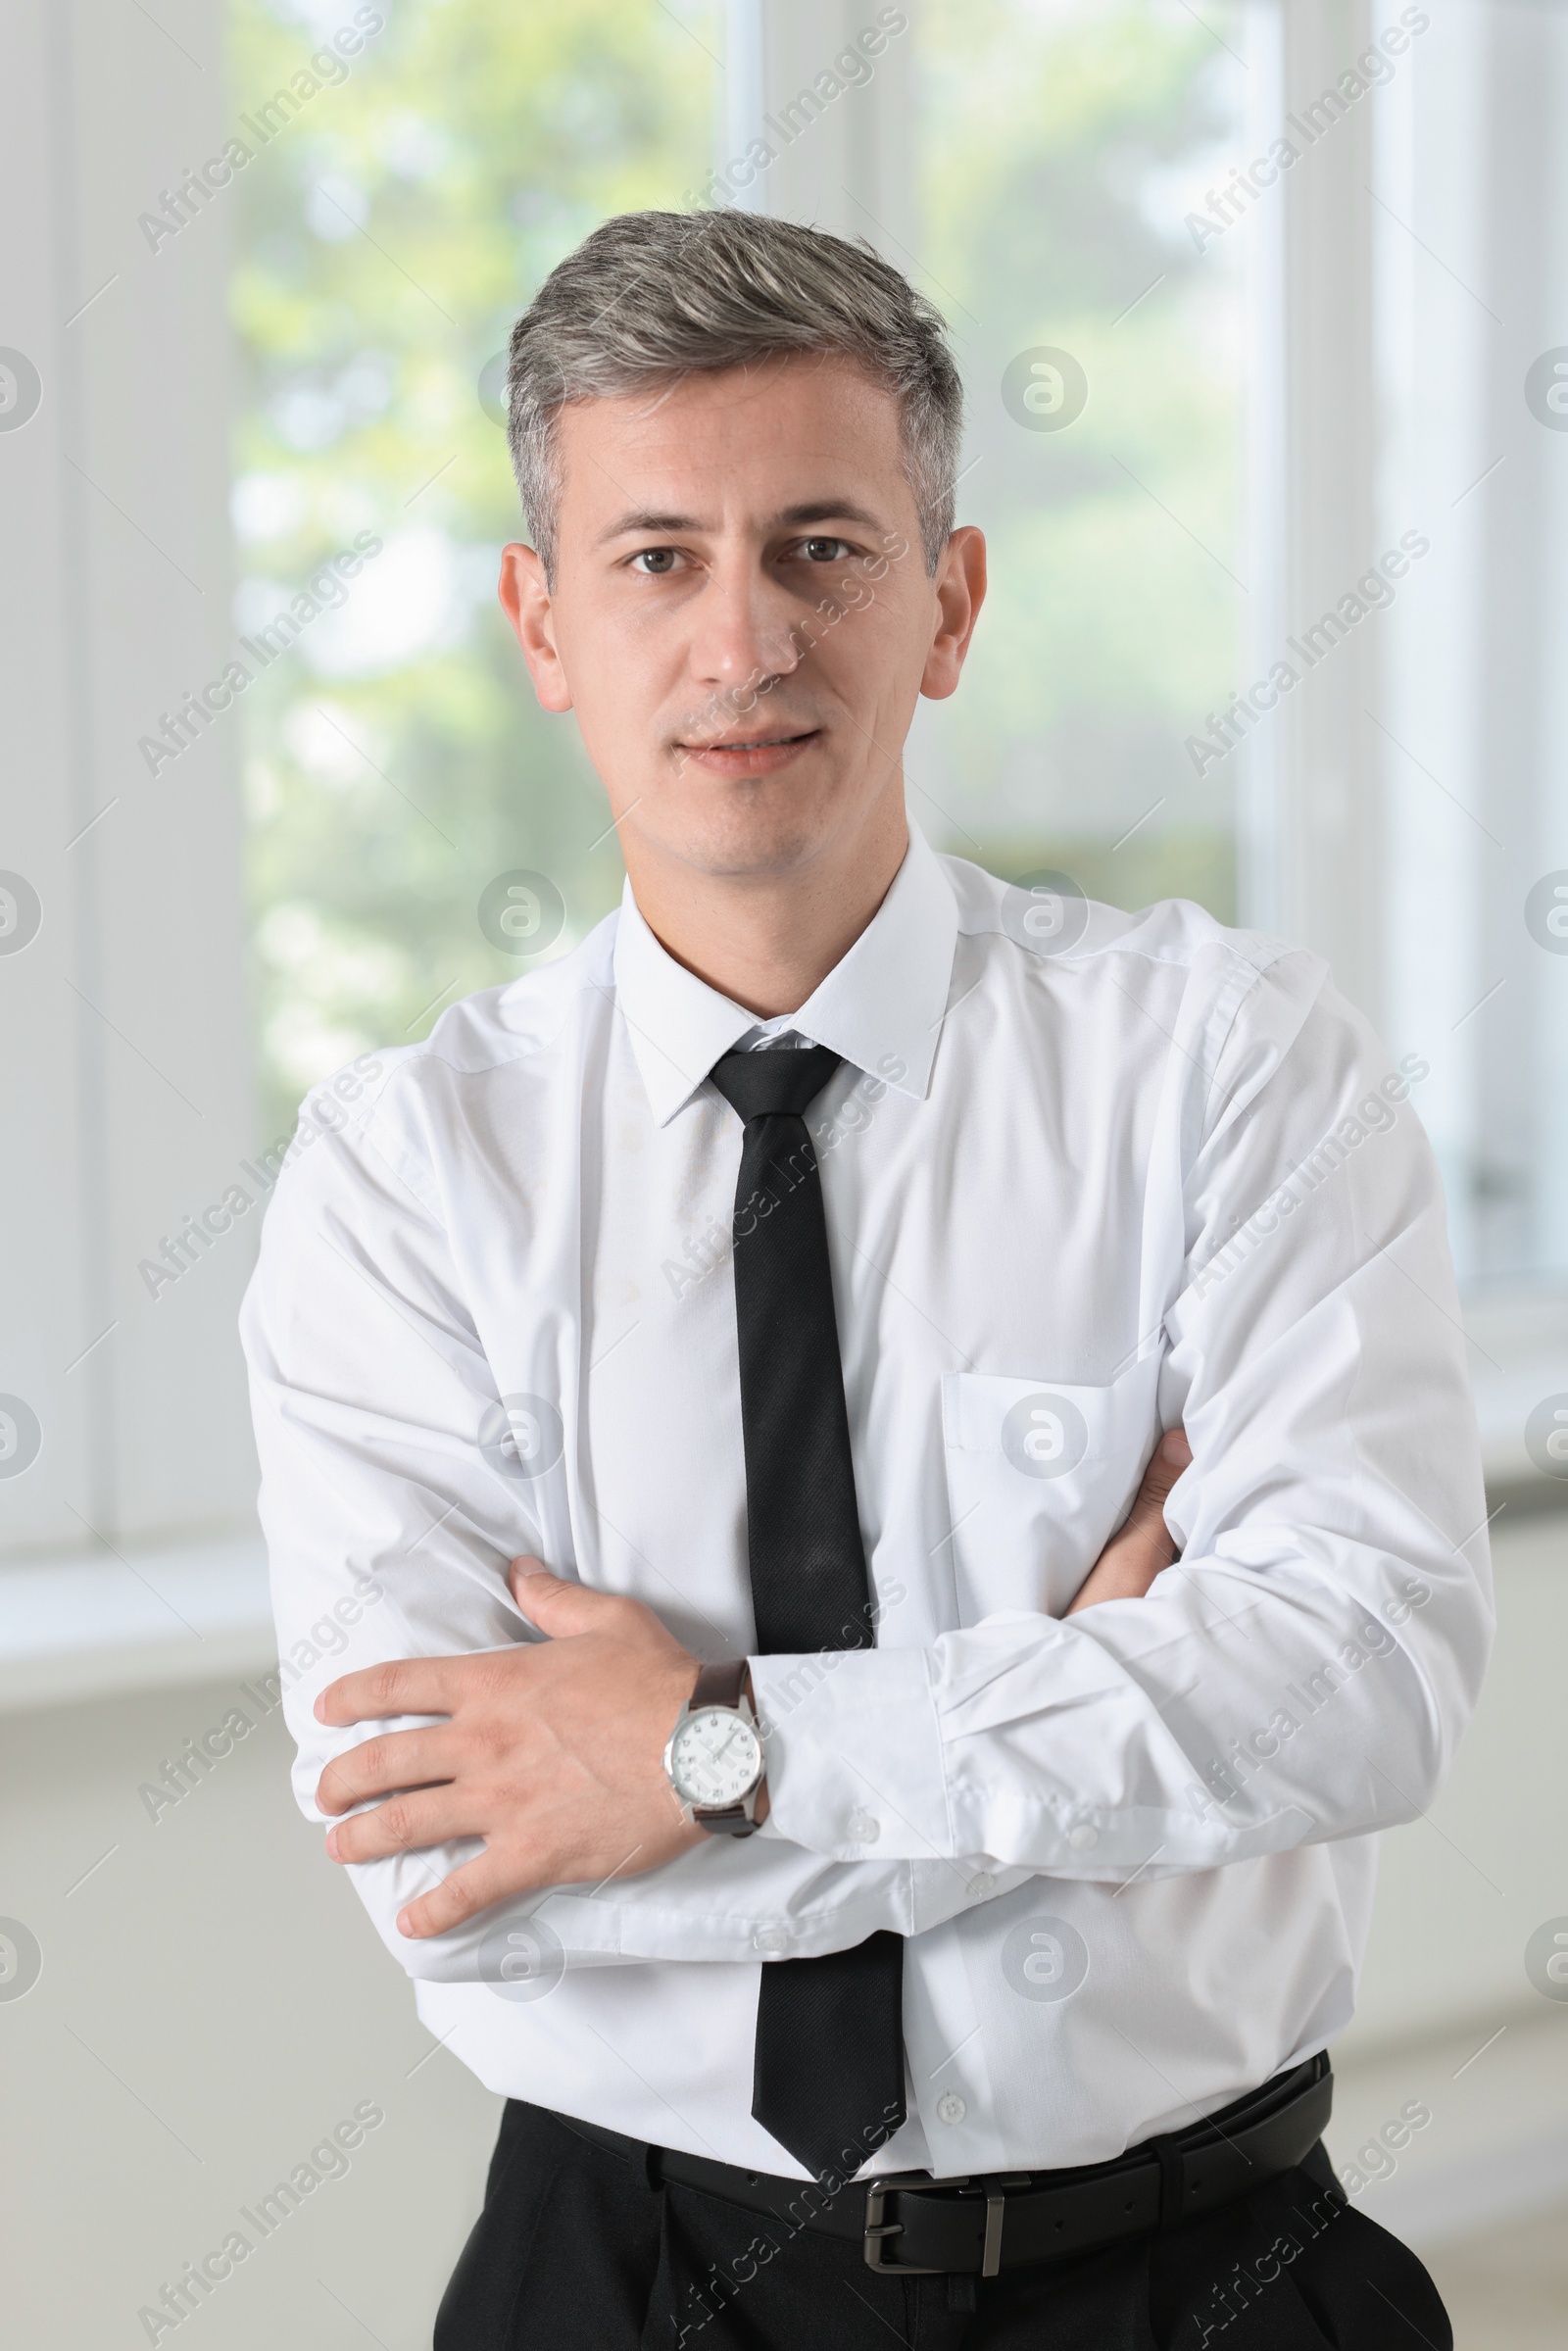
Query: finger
x=1174 y=1450
x=405 y=1824
x=561 y=1608
x=1129 y=1563
x=478 y=1886
x=376 y=1693
x=1170 y=1458
x=1143 y=1546
x=1149 y=1548
x=1127 y=1567
x=400 y=1759
x=1166 y=1463
x=1142 y=1539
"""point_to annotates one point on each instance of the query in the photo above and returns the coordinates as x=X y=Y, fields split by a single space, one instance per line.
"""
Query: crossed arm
x=550 y=1751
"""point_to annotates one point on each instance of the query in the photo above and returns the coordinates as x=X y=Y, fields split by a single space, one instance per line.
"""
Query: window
x=1104 y=349
x=1278 y=388
x=1471 y=246
x=396 y=763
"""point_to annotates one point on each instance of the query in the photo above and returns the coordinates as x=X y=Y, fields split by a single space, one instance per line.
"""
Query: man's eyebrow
x=643 y=518
x=830 y=510
x=815 y=509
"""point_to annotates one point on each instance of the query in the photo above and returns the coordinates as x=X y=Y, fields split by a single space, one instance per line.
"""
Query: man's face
x=742 y=618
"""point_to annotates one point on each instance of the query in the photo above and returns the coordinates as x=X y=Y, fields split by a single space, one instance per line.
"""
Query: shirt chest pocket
x=1038 y=1475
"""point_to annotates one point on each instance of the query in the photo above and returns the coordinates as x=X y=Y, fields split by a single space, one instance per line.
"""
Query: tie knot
x=778 y=1082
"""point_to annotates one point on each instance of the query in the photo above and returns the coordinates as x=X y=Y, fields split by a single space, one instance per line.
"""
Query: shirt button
x=1082 y=1839
x=770 y=1938
x=981 y=1883
x=864 y=1829
x=951 y=2108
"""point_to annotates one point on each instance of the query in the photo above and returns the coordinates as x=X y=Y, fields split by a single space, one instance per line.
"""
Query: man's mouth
x=749 y=754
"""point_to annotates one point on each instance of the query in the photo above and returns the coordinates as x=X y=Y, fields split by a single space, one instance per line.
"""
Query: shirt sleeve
x=1305 y=1670
x=389 y=1536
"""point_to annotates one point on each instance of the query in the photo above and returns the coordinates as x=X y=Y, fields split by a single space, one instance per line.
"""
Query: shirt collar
x=880 y=1007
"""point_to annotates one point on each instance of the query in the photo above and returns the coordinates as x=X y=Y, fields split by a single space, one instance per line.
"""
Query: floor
x=1507 y=2290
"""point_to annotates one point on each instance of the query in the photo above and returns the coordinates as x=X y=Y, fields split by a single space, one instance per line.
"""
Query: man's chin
x=766 y=856
x=756 y=845
x=740 y=828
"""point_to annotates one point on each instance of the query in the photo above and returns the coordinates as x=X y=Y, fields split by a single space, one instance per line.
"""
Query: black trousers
x=575 y=2250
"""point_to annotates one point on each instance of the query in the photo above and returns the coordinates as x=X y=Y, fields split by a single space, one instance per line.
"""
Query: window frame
x=129 y=1065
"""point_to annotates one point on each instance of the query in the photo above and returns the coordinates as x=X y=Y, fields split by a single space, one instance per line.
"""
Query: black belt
x=915 y=2226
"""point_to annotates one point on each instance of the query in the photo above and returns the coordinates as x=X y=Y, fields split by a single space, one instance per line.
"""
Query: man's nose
x=741 y=627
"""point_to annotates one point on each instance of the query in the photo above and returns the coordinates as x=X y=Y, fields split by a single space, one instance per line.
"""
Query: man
x=721 y=1356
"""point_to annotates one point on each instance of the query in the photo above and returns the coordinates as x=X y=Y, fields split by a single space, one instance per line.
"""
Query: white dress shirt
x=1087 y=1175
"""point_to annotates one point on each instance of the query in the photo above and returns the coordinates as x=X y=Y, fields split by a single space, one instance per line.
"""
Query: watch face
x=716 y=1758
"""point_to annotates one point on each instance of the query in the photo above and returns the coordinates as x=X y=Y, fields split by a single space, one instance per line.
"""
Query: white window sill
x=151 y=1618
x=1518 y=1355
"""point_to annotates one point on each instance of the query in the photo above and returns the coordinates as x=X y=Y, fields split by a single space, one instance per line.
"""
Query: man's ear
x=527 y=600
x=960 y=590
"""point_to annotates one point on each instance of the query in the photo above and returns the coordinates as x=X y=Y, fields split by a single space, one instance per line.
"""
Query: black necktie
x=829 y=2075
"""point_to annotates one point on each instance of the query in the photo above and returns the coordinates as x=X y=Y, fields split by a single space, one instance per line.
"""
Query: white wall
x=1462 y=1893
x=212 y=2003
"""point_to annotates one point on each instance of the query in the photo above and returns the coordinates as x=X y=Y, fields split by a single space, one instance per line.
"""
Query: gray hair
x=649 y=298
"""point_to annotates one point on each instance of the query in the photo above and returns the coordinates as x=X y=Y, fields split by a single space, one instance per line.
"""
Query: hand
x=550 y=1751
x=1143 y=1545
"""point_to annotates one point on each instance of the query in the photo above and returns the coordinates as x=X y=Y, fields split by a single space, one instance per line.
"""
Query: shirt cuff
x=853 y=1751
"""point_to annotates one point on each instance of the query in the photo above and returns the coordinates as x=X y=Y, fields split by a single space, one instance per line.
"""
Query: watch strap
x=733 y=1821
x=719 y=1685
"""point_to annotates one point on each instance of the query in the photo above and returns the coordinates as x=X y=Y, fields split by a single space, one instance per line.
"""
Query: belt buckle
x=877 y=2230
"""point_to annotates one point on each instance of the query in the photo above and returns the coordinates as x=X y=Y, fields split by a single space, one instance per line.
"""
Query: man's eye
x=825 y=550
x=660 y=562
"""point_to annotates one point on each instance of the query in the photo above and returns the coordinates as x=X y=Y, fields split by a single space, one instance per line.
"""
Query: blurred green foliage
x=391 y=231
x=1059 y=141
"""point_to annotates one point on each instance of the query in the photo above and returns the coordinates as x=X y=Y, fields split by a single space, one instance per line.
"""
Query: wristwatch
x=714 y=1758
